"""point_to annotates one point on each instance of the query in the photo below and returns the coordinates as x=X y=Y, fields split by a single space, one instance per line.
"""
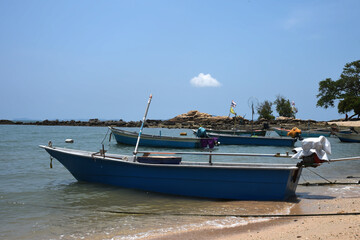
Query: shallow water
x=37 y=202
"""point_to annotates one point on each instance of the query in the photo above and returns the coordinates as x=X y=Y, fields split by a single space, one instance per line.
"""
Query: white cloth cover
x=321 y=146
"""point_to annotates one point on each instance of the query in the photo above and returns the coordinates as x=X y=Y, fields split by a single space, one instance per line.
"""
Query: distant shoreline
x=194 y=119
x=224 y=123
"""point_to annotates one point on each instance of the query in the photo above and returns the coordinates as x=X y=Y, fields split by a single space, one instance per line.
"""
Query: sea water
x=39 y=202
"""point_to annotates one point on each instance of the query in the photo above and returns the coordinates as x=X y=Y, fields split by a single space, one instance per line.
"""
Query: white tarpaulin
x=321 y=146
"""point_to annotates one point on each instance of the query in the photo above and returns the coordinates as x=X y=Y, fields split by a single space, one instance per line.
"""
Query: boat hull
x=130 y=138
x=225 y=139
x=233 y=181
x=348 y=137
x=305 y=134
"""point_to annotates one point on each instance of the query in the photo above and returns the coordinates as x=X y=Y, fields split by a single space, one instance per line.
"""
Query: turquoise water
x=39 y=202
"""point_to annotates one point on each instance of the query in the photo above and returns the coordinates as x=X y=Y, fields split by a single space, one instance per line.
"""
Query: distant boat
x=130 y=138
x=227 y=139
x=304 y=133
x=238 y=132
x=348 y=136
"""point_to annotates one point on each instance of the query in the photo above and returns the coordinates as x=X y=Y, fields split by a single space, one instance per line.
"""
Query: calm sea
x=39 y=202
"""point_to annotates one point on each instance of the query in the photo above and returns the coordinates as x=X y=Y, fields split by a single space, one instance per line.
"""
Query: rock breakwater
x=190 y=120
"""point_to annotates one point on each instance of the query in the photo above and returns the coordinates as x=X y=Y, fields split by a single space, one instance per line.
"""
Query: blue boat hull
x=254 y=140
x=304 y=134
x=348 y=140
x=348 y=137
x=130 y=138
x=238 y=182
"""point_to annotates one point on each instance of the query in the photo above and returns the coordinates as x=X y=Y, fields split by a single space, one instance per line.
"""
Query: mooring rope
x=320 y=176
x=102 y=142
x=206 y=215
x=237 y=215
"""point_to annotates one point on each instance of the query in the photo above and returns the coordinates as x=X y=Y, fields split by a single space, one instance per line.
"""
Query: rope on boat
x=321 y=176
x=102 y=142
x=328 y=183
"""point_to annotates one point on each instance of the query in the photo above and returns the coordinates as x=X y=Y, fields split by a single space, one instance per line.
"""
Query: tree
x=346 y=90
x=264 y=110
x=283 y=107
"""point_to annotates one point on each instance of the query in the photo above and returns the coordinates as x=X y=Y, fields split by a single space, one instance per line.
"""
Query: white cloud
x=204 y=80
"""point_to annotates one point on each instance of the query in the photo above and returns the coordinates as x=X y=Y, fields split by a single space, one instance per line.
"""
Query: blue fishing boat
x=130 y=138
x=171 y=175
x=348 y=136
x=304 y=133
x=227 y=139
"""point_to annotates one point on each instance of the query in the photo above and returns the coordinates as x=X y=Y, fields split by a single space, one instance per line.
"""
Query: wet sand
x=343 y=223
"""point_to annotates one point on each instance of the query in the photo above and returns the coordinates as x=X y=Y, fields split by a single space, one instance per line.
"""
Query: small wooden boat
x=304 y=133
x=227 y=139
x=130 y=138
x=348 y=136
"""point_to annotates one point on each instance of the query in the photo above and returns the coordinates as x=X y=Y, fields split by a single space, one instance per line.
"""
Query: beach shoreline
x=328 y=218
x=345 y=225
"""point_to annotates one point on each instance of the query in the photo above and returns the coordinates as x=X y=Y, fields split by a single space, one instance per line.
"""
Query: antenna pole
x=142 y=126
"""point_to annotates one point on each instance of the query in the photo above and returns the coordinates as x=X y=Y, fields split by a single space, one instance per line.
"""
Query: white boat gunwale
x=130 y=160
x=151 y=136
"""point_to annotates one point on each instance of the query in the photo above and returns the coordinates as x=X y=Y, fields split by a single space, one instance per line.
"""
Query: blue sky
x=102 y=59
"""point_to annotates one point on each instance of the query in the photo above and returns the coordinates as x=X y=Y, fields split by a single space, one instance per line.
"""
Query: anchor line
x=212 y=215
x=320 y=176
x=239 y=215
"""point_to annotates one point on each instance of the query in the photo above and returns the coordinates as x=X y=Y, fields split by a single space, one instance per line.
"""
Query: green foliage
x=264 y=110
x=346 y=90
x=283 y=107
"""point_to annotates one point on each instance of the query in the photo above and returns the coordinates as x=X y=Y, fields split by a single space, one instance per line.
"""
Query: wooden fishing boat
x=130 y=138
x=227 y=139
x=171 y=175
x=304 y=133
x=348 y=136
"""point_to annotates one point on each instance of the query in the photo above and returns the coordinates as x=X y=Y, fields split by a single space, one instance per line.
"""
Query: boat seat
x=159 y=159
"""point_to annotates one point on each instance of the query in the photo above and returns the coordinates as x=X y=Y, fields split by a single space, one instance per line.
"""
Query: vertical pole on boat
x=142 y=125
x=252 y=118
x=235 y=124
x=210 y=158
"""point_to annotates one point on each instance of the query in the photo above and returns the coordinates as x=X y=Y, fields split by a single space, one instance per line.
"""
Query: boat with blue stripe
x=130 y=138
x=227 y=139
x=348 y=136
x=304 y=133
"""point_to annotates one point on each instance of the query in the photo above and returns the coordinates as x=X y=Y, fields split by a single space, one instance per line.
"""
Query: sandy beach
x=337 y=218
x=345 y=225
x=346 y=123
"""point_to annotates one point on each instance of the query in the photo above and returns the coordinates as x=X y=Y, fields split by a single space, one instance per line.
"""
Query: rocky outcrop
x=190 y=120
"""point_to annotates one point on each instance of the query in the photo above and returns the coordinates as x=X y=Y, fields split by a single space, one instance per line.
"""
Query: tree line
x=283 y=107
x=345 y=92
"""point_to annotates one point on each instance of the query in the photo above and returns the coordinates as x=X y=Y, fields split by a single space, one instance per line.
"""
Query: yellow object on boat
x=294 y=132
x=183 y=133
